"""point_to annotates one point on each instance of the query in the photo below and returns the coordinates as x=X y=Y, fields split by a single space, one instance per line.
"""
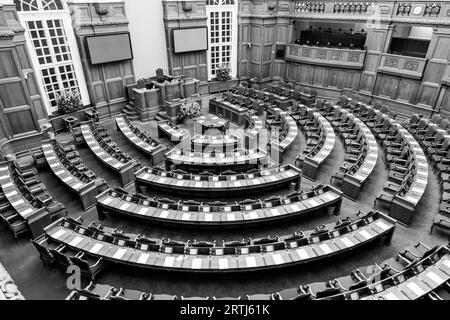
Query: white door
x=52 y=46
x=222 y=35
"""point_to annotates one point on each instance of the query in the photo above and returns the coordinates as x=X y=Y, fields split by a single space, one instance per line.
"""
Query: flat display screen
x=187 y=40
x=109 y=48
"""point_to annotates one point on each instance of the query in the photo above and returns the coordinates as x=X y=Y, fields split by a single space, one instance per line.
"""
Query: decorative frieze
x=353 y=7
x=402 y=65
x=343 y=58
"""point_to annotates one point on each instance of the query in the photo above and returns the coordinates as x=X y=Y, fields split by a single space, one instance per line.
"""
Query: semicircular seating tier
x=408 y=167
x=283 y=130
x=63 y=162
x=107 y=152
x=361 y=150
x=320 y=141
x=434 y=138
x=253 y=131
x=418 y=272
x=268 y=253
x=25 y=205
x=141 y=140
x=238 y=160
x=224 y=184
x=221 y=143
x=321 y=199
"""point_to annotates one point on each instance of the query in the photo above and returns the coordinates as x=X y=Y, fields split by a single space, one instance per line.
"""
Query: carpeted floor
x=38 y=282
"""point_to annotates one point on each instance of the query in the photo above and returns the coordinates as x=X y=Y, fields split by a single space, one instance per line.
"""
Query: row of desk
x=407 y=288
x=239 y=160
x=141 y=141
x=173 y=132
x=36 y=218
x=232 y=184
x=116 y=161
x=207 y=143
x=301 y=250
x=318 y=149
x=287 y=133
x=84 y=187
x=321 y=199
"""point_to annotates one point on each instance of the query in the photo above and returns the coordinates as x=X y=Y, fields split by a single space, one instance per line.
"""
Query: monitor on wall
x=188 y=40
x=109 y=48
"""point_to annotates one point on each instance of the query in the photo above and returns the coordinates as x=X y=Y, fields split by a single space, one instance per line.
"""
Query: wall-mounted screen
x=187 y=40
x=109 y=48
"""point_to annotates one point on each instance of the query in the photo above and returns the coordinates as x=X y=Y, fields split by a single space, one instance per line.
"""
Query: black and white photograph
x=224 y=155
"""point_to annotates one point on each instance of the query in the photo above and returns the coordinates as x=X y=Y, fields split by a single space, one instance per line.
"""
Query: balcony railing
x=345 y=58
x=411 y=67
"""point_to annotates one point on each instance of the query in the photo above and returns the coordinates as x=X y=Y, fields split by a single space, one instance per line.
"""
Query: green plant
x=189 y=109
x=223 y=72
x=68 y=101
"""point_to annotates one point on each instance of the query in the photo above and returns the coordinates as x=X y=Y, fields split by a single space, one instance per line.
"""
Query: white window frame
x=220 y=7
x=64 y=16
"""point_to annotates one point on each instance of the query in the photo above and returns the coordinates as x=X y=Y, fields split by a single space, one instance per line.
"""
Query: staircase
x=130 y=111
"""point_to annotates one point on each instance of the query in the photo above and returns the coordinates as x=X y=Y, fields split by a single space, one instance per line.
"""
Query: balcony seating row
x=101 y=144
x=320 y=199
x=325 y=241
x=418 y=272
x=141 y=140
x=320 y=141
x=227 y=183
x=68 y=167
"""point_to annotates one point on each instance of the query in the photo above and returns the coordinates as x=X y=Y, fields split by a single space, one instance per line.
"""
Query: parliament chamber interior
x=224 y=150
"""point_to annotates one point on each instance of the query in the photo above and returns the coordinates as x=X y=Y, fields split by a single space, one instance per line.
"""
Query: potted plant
x=223 y=72
x=69 y=101
x=189 y=110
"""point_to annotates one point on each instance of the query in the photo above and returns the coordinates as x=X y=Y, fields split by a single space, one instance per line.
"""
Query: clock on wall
x=417 y=10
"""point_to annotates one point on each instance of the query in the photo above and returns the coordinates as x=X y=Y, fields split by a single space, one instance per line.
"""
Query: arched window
x=222 y=40
x=53 y=49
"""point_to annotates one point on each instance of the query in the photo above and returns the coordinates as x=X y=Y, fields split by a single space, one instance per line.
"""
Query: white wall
x=147 y=36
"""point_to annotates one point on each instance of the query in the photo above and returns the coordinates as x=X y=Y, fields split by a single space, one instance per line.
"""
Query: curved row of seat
x=320 y=141
x=238 y=160
x=172 y=131
x=300 y=248
x=435 y=140
x=418 y=272
x=298 y=204
x=361 y=150
x=225 y=184
x=66 y=166
x=207 y=143
x=98 y=140
x=25 y=205
x=408 y=167
x=8 y=290
x=286 y=134
x=141 y=140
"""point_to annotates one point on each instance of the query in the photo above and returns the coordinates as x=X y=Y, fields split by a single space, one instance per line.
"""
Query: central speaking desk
x=209 y=123
x=227 y=110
